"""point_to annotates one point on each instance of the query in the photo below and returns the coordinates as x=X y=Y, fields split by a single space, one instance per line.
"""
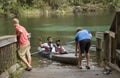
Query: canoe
x=65 y=58
x=69 y=58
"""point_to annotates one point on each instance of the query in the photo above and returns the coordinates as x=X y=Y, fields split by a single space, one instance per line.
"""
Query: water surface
x=59 y=27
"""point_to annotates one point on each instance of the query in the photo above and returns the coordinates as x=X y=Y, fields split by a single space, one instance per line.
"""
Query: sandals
x=28 y=69
x=88 y=67
x=80 y=67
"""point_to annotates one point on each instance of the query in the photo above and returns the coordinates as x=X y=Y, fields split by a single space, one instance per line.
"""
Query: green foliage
x=38 y=3
x=55 y=4
x=15 y=9
x=111 y=5
x=10 y=6
x=77 y=2
x=15 y=6
x=86 y=1
x=21 y=2
x=58 y=3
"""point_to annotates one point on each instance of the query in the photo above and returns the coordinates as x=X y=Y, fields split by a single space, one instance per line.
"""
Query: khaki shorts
x=24 y=51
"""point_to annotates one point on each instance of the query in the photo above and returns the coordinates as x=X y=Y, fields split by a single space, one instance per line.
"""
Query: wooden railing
x=7 y=52
x=105 y=47
x=99 y=47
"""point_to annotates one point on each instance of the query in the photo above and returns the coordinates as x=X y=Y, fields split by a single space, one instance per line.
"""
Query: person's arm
x=76 y=44
x=64 y=49
x=18 y=37
x=44 y=45
x=90 y=34
x=18 y=32
x=76 y=47
x=40 y=43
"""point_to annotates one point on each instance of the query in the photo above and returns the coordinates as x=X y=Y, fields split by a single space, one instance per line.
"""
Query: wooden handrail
x=6 y=40
x=7 y=52
x=100 y=35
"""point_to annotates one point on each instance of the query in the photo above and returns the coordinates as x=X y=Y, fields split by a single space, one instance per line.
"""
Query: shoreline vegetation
x=37 y=8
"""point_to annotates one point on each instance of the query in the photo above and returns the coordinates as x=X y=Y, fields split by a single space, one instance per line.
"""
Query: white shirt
x=47 y=47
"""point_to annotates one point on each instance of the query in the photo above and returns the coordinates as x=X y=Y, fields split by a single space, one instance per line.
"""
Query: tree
x=38 y=3
x=21 y=2
x=10 y=6
x=55 y=4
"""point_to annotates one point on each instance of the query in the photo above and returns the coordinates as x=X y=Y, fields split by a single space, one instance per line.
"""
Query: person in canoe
x=83 y=42
x=48 y=47
x=40 y=48
x=59 y=48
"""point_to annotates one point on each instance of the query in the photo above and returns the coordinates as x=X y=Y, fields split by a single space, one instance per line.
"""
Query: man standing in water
x=23 y=43
x=83 y=42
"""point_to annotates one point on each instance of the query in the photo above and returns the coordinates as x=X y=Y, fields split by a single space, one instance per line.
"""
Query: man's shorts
x=24 y=51
x=84 y=45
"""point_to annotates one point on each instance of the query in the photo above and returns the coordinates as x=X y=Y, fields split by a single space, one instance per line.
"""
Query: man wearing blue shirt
x=83 y=42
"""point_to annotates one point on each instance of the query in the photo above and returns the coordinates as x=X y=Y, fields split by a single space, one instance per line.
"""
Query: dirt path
x=58 y=70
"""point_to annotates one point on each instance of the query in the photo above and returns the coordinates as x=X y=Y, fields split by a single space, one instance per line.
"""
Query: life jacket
x=48 y=48
x=59 y=49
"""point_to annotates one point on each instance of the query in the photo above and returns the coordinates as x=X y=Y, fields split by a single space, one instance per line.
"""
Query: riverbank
x=82 y=9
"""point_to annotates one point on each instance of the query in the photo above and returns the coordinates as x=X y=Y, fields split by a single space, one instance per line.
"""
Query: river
x=59 y=27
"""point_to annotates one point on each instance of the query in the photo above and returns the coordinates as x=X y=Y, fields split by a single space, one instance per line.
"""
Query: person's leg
x=21 y=53
x=28 y=55
x=88 y=43
x=88 y=59
x=81 y=50
x=80 y=60
x=25 y=61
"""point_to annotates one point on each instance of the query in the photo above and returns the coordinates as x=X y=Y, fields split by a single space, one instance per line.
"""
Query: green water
x=62 y=27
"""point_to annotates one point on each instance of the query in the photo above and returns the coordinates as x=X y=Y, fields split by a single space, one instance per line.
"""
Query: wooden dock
x=108 y=44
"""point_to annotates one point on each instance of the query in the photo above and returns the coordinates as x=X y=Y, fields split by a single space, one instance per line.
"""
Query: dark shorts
x=84 y=45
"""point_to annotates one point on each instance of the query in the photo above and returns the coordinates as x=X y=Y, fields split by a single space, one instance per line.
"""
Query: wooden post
x=99 y=47
x=113 y=50
x=107 y=47
x=98 y=50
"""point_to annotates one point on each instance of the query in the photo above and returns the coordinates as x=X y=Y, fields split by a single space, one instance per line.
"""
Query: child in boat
x=59 y=48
